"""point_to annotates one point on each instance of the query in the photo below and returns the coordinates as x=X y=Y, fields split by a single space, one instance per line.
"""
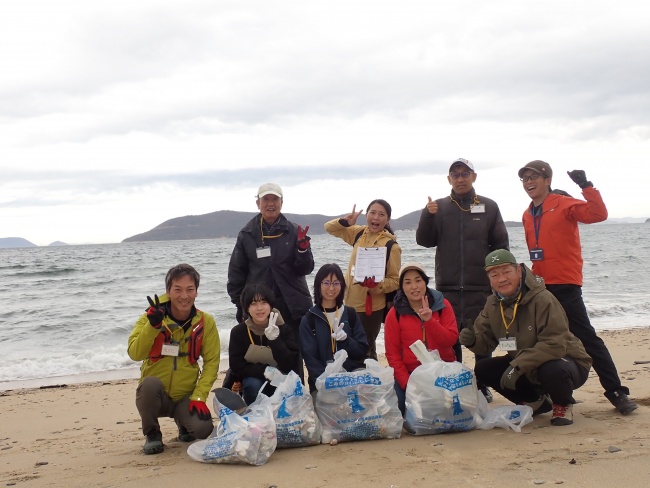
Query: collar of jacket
x=468 y=197
x=402 y=305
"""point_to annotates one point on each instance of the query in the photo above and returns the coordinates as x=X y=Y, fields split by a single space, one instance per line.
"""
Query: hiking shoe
x=154 y=443
x=184 y=435
x=542 y=405
x=486 y=393
x=622 y=402
x=562 y=414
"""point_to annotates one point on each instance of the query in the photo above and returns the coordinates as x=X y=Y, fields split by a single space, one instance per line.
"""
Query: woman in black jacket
x=329 y=326
x=260 y=343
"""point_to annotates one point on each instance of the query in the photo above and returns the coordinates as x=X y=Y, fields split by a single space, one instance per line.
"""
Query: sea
x=67 y=312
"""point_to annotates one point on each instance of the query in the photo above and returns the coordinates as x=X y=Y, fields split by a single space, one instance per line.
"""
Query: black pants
x=570 y=296
x=558 y=378
x=372 y=327
x=467 y=305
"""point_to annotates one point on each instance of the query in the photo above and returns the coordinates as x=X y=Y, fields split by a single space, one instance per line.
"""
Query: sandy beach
x=89 y=435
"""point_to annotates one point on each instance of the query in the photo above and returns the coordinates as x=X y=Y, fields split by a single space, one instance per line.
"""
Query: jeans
x=250 y=388
x=401 y=398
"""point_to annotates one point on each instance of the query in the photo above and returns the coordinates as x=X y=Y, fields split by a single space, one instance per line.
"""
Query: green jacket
x=540 y=327
x=178 y=375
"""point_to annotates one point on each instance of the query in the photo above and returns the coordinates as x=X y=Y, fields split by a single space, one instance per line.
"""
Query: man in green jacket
x=543 y=358
x=169 y=338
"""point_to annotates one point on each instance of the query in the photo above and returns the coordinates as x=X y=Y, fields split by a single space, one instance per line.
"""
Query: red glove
x=155 y=313
x=369 y=282
x=201 y=409
x=303 y=238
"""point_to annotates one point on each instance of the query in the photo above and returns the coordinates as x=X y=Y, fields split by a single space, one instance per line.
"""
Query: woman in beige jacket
x=363 y=293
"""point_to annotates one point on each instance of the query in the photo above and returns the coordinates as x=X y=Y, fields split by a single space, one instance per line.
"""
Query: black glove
x=579 y=177
x=467 y=337
x=240 y=314
x=155 y=313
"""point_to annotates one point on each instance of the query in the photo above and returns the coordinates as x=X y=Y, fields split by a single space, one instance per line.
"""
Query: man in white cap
x=463 y=227
x=524 y=320
x=553 y=239
x=273 y=251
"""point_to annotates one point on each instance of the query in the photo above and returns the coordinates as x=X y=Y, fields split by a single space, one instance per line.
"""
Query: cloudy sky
x=118 y=115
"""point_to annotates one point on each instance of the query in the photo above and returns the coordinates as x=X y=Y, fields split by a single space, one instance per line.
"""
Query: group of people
x=483 y=299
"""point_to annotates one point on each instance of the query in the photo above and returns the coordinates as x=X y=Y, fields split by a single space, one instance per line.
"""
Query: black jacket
x=285 y=351
x=284 y=271
x=316 y=342
x=463 y=239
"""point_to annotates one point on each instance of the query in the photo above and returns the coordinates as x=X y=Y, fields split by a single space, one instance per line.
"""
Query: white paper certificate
x=371 y=261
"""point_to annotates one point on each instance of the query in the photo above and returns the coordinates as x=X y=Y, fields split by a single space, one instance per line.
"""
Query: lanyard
x=179 y=327
x=537 y=222
x=336 y=323
x=474 y=202
x=267 y=237
x=251 y=337
x=514 y=314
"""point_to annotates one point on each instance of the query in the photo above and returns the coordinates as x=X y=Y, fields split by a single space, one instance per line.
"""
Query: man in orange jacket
x=551 y=226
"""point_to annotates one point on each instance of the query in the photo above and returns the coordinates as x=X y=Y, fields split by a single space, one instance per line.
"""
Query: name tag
x=169 y=350
x=508 y=344
x=480 y=208
x=263 y=252
x=537 y=254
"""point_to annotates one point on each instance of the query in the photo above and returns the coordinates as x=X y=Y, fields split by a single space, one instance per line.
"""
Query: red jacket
x=399 y=333
x=559 y=237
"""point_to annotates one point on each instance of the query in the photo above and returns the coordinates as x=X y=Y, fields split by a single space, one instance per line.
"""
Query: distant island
x=11 y=242
x=228 y=223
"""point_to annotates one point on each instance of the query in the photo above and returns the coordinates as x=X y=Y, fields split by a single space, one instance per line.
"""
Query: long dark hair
x=324 y=271
x=388 y=209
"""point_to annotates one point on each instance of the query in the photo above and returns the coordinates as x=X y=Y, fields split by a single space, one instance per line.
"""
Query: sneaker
x=562 y=414
x=154 y=443
x=486 y=393
x=184 y=435
x=622 y=402
x=542 y=405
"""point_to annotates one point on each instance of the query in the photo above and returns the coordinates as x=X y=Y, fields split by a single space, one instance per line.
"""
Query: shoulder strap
x=357 y=237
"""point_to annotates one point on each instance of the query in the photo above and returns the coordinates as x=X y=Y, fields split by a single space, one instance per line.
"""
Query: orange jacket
x=559 y=237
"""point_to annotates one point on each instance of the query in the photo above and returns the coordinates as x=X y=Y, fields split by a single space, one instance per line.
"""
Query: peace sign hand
x=353 y=216
x=425 y=312
x=155 y=313
x=338 y=334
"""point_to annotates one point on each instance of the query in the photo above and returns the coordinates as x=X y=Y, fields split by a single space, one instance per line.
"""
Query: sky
x=118 y=115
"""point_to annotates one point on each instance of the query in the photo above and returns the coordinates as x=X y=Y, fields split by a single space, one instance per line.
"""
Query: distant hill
x=228 y=223
x=6 y=242
x=57 y=243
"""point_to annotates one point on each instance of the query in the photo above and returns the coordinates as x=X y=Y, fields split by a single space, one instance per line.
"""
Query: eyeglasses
x=464 y=174
x=532 y=177
x=328 y=283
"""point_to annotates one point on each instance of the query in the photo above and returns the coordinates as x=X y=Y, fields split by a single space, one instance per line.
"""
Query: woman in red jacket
x=418 y=313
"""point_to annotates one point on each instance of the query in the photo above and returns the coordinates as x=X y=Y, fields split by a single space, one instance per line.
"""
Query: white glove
x=269 y=372
x=272 y=331
x=338 y=334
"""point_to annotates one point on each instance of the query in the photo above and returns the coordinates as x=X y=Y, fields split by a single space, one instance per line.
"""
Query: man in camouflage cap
x=544 y=362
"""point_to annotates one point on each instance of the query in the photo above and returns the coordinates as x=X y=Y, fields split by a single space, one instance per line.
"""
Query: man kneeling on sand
x=169 y=338
x=544 y=362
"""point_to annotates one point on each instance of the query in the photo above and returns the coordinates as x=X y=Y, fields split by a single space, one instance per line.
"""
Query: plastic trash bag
x=507 y=417
x=440 y=396
x=360 y=405
x=293 y=410
x=249 y=438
